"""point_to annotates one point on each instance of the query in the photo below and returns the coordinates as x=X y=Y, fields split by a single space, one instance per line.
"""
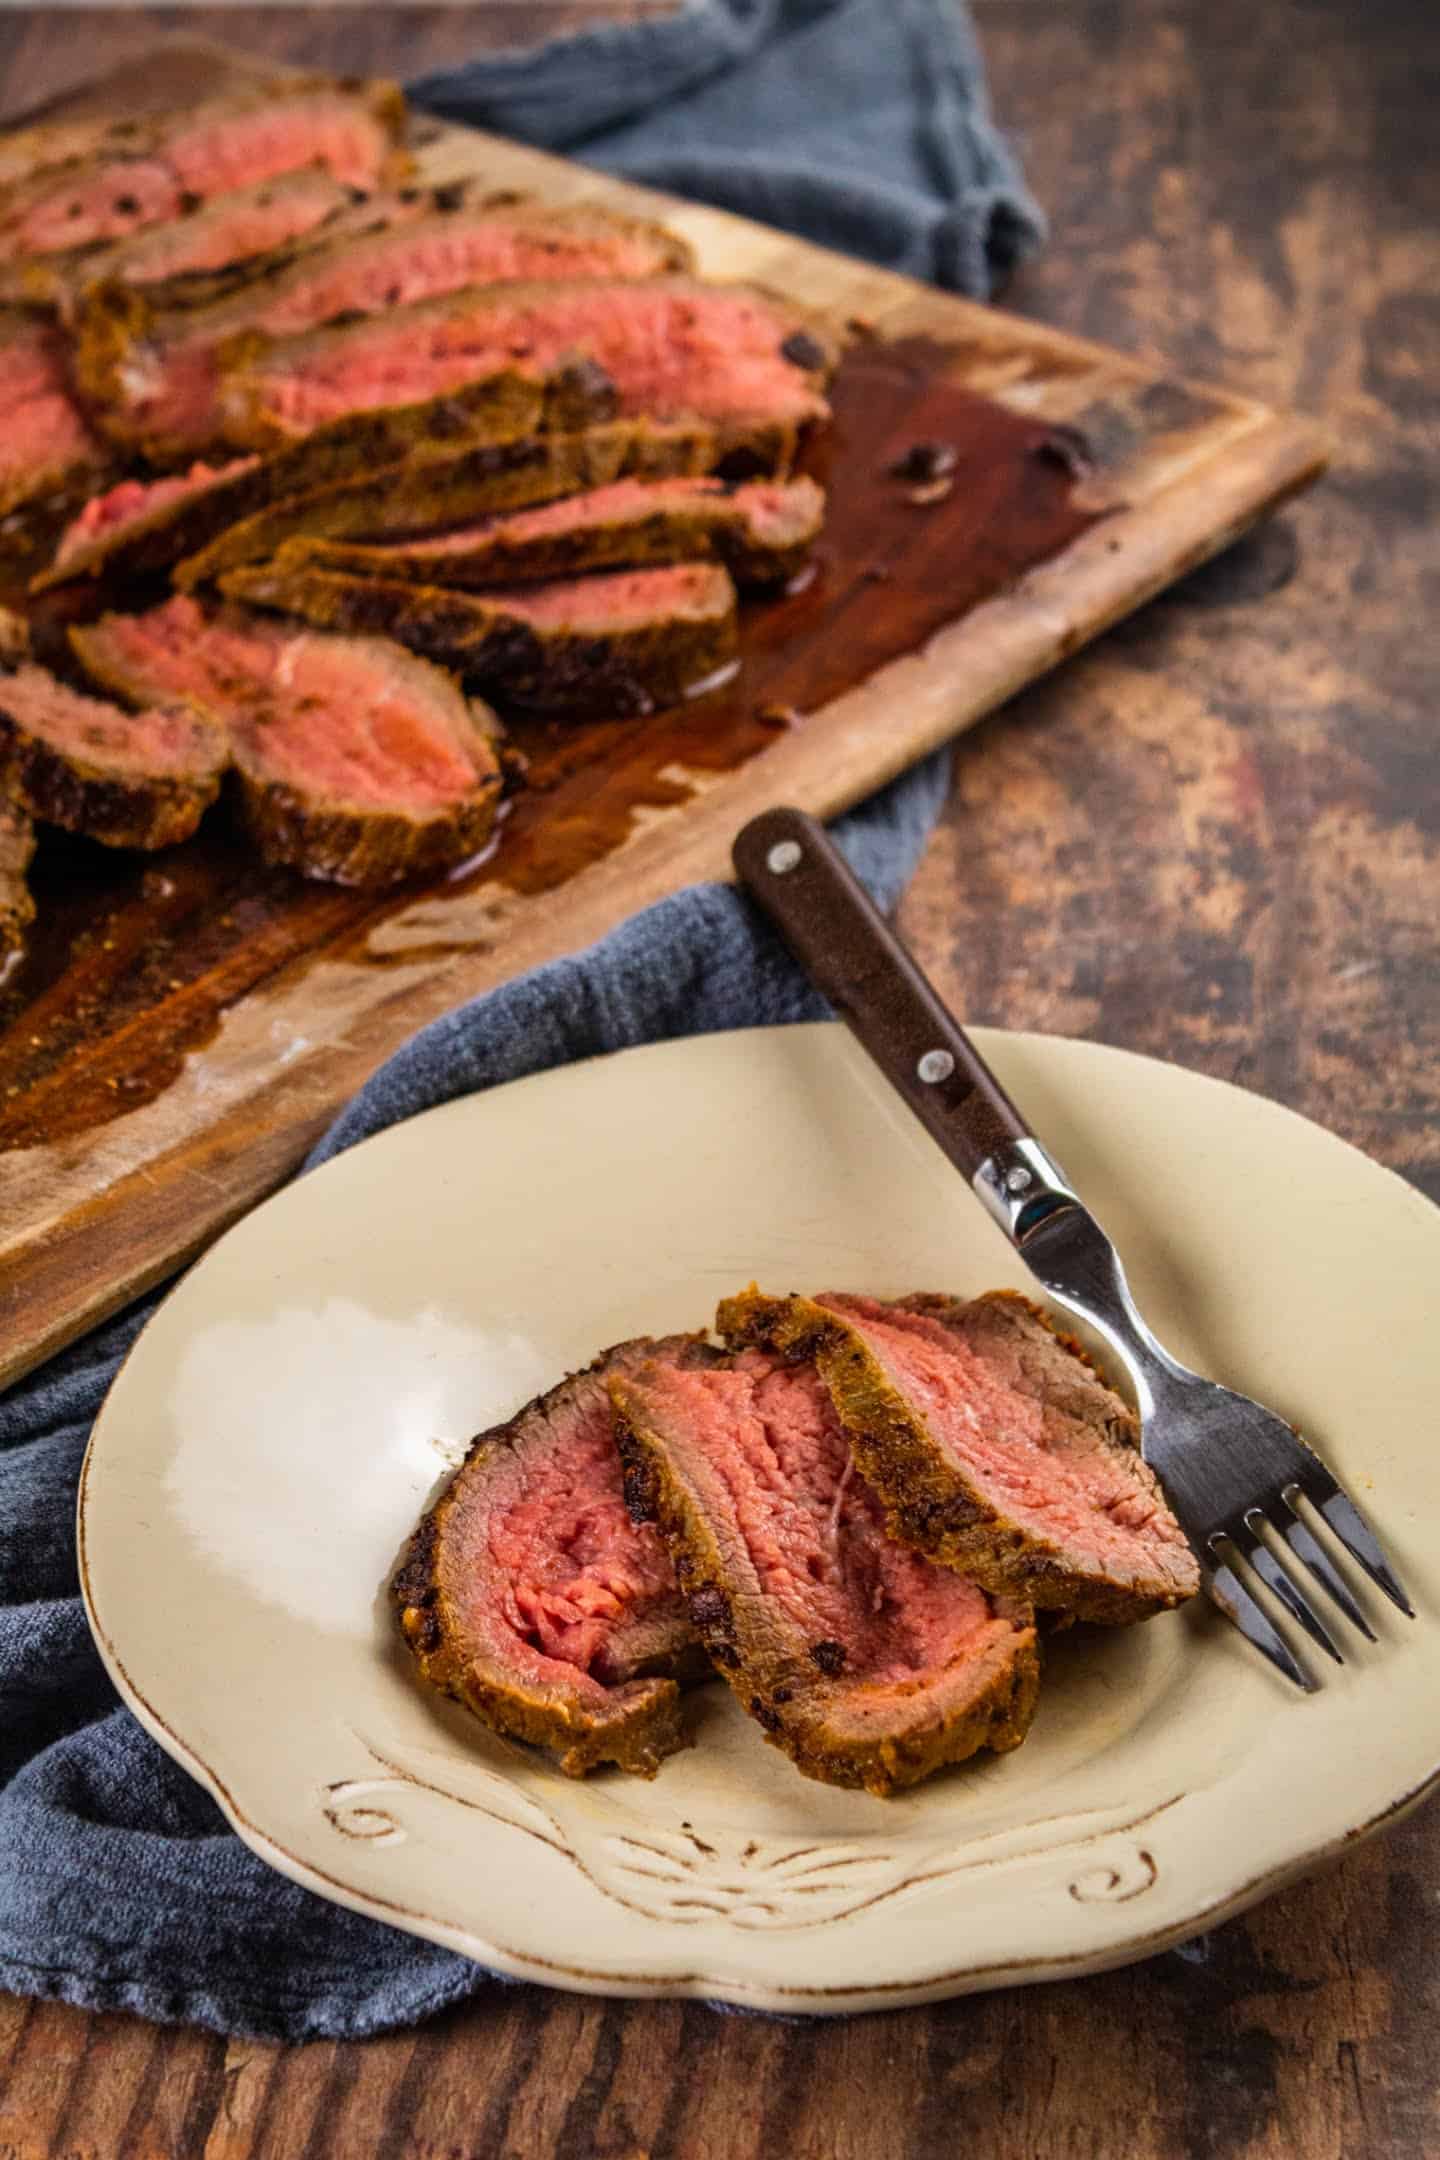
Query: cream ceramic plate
x=295 y=1404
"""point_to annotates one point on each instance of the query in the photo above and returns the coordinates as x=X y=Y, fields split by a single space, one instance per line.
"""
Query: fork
x=1241 y=1482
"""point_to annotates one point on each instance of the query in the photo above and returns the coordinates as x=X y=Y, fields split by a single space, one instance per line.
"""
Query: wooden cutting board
x=184 y=1027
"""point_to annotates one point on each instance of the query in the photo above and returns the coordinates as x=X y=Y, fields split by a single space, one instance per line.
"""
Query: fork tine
x=1311 y=1554
x=1276 y=1578
x=1235 y=1601
x=1354 y=1533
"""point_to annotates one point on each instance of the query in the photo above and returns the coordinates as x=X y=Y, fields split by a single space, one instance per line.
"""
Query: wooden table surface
x=1213 y=836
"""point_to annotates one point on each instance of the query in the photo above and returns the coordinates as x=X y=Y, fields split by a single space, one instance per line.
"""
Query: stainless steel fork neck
x=1066 y=1250
x=1022 y=1186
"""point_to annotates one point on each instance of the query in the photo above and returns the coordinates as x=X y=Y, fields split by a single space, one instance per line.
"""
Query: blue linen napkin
x=120 y=1885
x=862 y=124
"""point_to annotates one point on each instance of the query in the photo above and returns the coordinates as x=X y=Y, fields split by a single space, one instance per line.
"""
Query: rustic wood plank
x=1251 y=193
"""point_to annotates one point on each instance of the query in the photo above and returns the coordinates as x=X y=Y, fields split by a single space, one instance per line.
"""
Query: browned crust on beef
x=667 y=532
x=123 y=810
x=118 y=326
x=14 y=638
x=630 y=669
x=60 y=281
x=446 y=491
x=751 y=443
x=496 y=408
x=17 y=845
x=322 y=836
x=55 y=484
x=929 y=1502
x=126 y=139
x=796 y=1699
x=183 y=302
x=490 y=432
x=643 y=1727
x=359 y=845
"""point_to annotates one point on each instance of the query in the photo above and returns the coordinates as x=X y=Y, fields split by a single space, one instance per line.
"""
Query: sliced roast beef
x=624 y=643
x=761 y=531
x=864 y=1662
x=229 y=230
x=119 y=186
x=40 y=147
x=140 y=780
x=119 y=526
x=47 y=446
x=529 y=1595
x=17 y=845
x=995 y=1446
x=357 y=762
x=727 y=355
x=419 y=497
x=143 y=526
x=152 y=374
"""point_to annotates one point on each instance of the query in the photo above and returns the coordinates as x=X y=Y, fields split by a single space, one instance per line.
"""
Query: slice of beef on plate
x=530 y=1595
x=994 y=1445
x=865 y=1663
x=357 y=762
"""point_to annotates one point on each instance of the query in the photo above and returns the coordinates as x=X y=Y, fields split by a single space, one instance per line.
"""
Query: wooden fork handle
x=790 y=865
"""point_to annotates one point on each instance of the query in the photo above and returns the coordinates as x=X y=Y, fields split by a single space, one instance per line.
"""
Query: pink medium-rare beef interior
x=1055 y=1478
x=76 y=209
x=546 y=1569
x=766 y=1441
x=380 y=748
x=671 y=353
x=772 y=506
x=44 y=427
x=171 y=390
x=31 y=149
x=615 y=600
x=171 y=384
x=619 y=499
x=440 y=255
x=233 y=228
x=320 y=127
x=213 y=152
x=768 y=504
x=130 y=500
x=336 y=717
x=162 y=741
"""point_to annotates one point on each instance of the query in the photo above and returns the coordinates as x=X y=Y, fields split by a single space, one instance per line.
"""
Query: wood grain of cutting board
x=186 y=1025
